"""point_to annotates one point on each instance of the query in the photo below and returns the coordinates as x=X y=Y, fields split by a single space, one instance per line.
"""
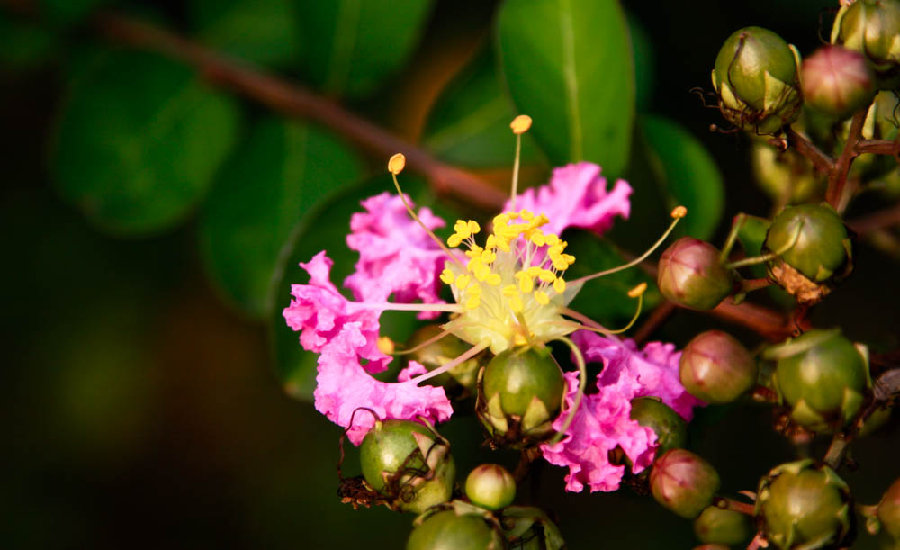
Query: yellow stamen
x=520 y=124
x=462 y=281
x=493 y=279
x=385 y=345
x=397 y=164
x=447 y=276
x=526 y=283
x=559 y=285
x=541 y=297
x=637 y=291
x=679 y=212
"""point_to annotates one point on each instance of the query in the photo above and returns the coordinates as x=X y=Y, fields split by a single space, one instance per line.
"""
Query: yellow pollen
x=473 y=227
x=541 y=297
x=547 y=276
x=559 y=285
x=520 y=124
x=526 y=283
x=679 y=212
x=385 y=345
x=538 y=238
x=447 y=276
x=637 y=291
x=396 y=164
x=526 y=215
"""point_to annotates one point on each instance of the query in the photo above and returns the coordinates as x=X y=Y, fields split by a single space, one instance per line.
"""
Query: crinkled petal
x=351 y=398
x=577 y=196
x=319 y=312
x=396 y=256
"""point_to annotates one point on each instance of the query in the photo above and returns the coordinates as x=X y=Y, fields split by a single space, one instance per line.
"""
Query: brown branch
x=879 y=147
x=768 y=323
x=838 y=176
x=821 y=161
x=296 y=101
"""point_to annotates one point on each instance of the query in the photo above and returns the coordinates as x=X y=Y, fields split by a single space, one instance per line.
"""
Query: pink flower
x=577 y=197
x=351 y=398
x=603 y=421
x=396 y=256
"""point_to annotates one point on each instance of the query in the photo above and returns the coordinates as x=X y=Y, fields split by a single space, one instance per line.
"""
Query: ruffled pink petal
x=577 y=197
x=655 y=368
x=351 y=398
x=602 y=423
x=319 y=312
x=396 y=256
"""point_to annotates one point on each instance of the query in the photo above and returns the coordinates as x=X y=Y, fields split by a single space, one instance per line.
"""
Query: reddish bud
x=683 y=482
x=716 y=368
x=837 y=81
x=691 y=274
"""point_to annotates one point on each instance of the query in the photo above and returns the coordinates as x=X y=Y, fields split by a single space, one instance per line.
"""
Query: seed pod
x=871 y=27
x=449 y=530
x=803 y=506
x=691 y=274
x=756 y=80
x=716 y=368
x=408 y=464
x=811 y=238
x=683 y=482
x=837 y=81
x=459 y=382
x=491 y=486
x=521 y=394
x=823 y=378
x=720 y=526
x=670 y=429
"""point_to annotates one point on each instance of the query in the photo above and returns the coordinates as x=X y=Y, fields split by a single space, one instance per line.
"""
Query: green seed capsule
x=719 y=526
x=448 y=531
x=670 y=429
x=871 y=27
x=810 y=238
x=491 y=486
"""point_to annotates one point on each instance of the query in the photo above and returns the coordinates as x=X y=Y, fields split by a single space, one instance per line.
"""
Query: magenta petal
x=351 y=398
x=577 y=196
x=396 y=256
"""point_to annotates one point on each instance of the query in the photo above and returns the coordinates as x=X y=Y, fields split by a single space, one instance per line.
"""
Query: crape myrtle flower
x=509 y=291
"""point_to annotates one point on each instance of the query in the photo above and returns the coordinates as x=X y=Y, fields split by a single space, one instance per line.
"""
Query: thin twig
x=770 y=324
x=879 y=147
x=838 y=176
x=821 y=161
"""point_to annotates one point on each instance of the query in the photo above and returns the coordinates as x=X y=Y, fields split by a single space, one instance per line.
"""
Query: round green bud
x=521 y=394
x=448 y=531
x=720 y=526
x=837 y=81
x=683 y=482
x=691 y=274
x=888 y=512
x=491 y=486
x=823 y=377
x=786 y=176
x=756 y=80
x=459 y=381
x=810 y=238
x=670 y=429
x=803 y=506
x=408 y=464
x=871 y=27
x=716 y=368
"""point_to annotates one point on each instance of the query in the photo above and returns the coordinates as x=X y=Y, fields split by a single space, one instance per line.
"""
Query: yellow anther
x=520 y=124
x=473 y=227
x=547 y=276
x=526 y=283
x=551 y=239
x=488 y=256
x=568 y=258
x=526 y=215
x=473 y=302
x=463 y=281
x=500 y=220
x=454 y=240
x=491 y=242
x=637 y=291
x=385 y=345
x=493 y=279
x=679 y=212
x=475 y=252
x=475 y=289
x=559 y=285
x=396 y=164
x=516 y=304
x=540 y=220
x=509 y=290
x=534 y=270
x=461 y=228
x=448 y=276
x=513 y=215
x=541 y=297
x=538 y=237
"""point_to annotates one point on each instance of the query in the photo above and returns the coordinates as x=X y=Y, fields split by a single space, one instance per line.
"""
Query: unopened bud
x=691 y=274
x=449 y=530
x=716 y=368
x=683 y=482
x=721 y=526
x=670 y=429
x=837 y=81
x=491 y=486
x=871 y=27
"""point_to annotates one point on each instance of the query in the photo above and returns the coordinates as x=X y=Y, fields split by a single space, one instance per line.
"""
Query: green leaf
x=139 y=140
x=351 y=46
x=469 y=125
x=326 y=229
x=605 y=299
x=642 y=49
x=568 y=65
x=685 y=173
x=275 y=179
x=262 y=31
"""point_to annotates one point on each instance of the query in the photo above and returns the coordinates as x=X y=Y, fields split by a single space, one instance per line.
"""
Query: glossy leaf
x=469 y=125
x=685 y=173
x=139 y=140
x=263 y=31
x=272 y=183
x=568 y=64
x=642 y=49
x=351 y=46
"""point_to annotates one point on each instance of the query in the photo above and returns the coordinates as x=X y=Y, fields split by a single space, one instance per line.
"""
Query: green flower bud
x=810 y=238
x=447 y=530
x=691 y=274
x=670 y=429
x=823 y=378
x=408 y=464
x=458 y=382
x=720 y=526
x=871 y=27
x=521 y=394
x=716 y=368
x=756 y=80
x=786 y=176
x=683 y=482
x=491 y=486
x=802 y=506
x=837 y=82
x=888 y=512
